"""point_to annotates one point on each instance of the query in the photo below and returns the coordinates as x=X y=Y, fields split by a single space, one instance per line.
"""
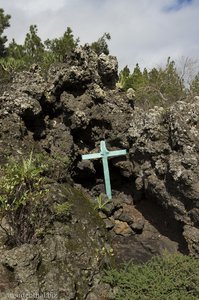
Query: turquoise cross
x=104 y=154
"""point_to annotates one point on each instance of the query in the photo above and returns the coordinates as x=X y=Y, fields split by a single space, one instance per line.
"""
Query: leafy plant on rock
x=21 y=191
x=101 y=203
x=62 y=211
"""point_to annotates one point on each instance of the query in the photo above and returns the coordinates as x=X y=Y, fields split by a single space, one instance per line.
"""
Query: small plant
x=62 y=211
x=101 y=203
x=62 y=208
x=19 y=180
x=21 y=188
x=172 y=276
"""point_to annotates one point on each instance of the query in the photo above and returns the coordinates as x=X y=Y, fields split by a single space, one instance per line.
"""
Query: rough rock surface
x=72 y=247
x=164 y=149
x=155 y=188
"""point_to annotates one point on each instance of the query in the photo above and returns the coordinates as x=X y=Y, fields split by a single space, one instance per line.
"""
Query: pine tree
x=60 y=47
x=4 y=23
x=124 y=79
x=101 y=45
x=137 y=78
x=194 y=87
x=171 y=85
x=15 y=51
x=33 y=46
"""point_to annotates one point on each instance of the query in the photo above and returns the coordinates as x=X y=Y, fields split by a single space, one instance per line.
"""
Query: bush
x=21 y=191
x=172 y=276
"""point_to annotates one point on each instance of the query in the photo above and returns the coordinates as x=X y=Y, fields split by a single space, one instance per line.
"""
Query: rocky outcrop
x=65 y=114
x=164 y=149
x=72 y=247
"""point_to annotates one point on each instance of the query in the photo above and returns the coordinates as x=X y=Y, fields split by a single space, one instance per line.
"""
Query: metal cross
x=104 y=154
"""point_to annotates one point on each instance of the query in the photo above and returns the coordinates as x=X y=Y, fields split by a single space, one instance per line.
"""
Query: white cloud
x=39 y=6
x=142 y=31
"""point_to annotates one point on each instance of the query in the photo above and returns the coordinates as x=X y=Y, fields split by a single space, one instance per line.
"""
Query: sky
x=142 y=31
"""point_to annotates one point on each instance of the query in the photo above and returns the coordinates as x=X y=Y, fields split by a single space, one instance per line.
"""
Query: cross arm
x=117 y=153
x=91 y=156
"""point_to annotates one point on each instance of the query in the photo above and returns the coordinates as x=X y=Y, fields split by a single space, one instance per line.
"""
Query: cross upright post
x=104 y=154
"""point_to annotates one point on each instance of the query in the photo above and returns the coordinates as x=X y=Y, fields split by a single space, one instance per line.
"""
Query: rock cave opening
x=35 y=124
x=84 y=137
x=77 y=89
x=165 y=224
x=93 y=178
x=157 y=219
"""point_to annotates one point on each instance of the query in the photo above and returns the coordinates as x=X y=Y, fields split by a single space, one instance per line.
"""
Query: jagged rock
x=25 y=93
x=194 y=216
x=70 y=249
x=191 y=235
x=108 y=67
x=164 y=144
x=122 y=228
x=24 y=261
x=109 y=223
x=130 y=94
x=133 y=217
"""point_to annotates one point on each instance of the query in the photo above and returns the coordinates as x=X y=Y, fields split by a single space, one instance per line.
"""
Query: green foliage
x=102 y=203
x=133 y=80
x=101 y=45
x=4 y=23
x=62 y=211
x=172 y=276
x=15 y=51
x=60 y=47
x=33 y=46
x=19 y=181
x=13 y=61
x=10 y=65
x=170 y=84
x=124 y=79
x=137 y=78
x=33 y=50
x=194 y=87
x=161 y=86
x=62 y=208
x=21 y=57
x=21 y=185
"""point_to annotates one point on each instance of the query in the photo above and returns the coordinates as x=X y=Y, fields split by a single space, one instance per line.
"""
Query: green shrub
x=170 y=277
x=19 y=180
x=10 y=64
x=21 y=191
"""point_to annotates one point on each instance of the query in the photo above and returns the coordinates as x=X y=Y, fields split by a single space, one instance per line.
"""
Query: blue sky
x=178 y=4
x=143 y=31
